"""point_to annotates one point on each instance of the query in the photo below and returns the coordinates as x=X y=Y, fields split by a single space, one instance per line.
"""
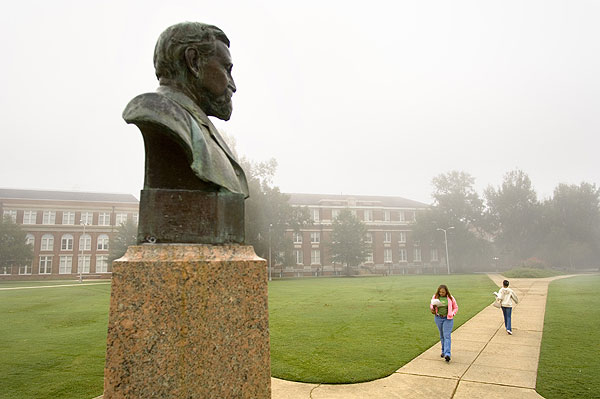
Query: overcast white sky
x=372 y=97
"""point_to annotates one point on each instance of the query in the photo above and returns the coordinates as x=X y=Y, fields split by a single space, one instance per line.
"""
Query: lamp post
x=270 y=265
x=82 y=247
x=446 y=240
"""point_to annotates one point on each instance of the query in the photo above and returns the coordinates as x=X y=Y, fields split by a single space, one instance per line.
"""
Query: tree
x=513 y=213
x=348 y=240
x=268 y=214
x=13 y=249
x=125 y=236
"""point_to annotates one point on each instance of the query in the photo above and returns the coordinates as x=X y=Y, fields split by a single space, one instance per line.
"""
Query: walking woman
x=444 y=307
x=507 y=296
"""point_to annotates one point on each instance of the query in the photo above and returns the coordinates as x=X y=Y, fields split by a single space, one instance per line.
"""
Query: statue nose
x=232 y=86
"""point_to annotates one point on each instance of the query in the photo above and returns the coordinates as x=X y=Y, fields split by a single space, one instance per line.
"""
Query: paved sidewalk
x=486 y=361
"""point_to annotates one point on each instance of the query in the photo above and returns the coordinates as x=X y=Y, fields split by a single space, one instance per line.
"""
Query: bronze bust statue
x=194 y=188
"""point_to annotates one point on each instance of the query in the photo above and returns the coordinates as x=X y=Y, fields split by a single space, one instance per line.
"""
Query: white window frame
x=86 y=239
x=387 y=216
x=402 y=255
x=5 y=270
x=86 y=260
x=315 y=213
x=335 y=213
x=299 y=256
x=12 y=213
x=68 y=218
x=49 y=217
x=46 y=261
x=402 y=216
x=135 y=217
x=66 y=242
x=66 y=264
x=103 y=218
x=387 y=237
x=47 y=243
x=368 y=215
x=25 y=270
x=315 y=257
x=417 y=254
x=120 y=218
x=434 y=256
x=101 y=263
x=369 y=258
x=102 y=242
x=369 y=238
x=30 y=239
x=402 y=237
x=387 y=255
x=297 y=237
x=87 y=218
x=315 y=237
x=29 y=217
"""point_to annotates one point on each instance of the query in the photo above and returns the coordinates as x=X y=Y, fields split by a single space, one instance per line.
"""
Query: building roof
x=9 y=193
x=360 y=200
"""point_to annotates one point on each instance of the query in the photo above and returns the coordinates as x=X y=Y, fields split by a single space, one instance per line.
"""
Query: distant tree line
x=510 y=227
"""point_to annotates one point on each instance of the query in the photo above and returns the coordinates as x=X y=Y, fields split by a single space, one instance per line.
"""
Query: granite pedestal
x=188 y=321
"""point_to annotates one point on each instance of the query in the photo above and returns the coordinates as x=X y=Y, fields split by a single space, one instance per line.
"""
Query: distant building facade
x=69 y=231
x=389 y=222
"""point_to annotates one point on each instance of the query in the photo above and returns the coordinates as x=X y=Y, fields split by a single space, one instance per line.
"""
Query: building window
x=45 y=264
x=315 y=215
x=30 y=239
x=66 y=243
x=104 y=219
x=103 y=242
x=5 y=270
x=29 y=217
x=297 y=237
x=386 y=216
x=387 y=238
x=121 y=218
x=83 y=264
x=335 y=213
x=68 y=218
x=85 y=242
x=369 y=257
x=368 y=213
x=87 y=218
x=434 y=254
x=387 y=255
x=369 y=238
x=135 y=217
x=101 y=264
x=66 y=265
x=315 y=237
x=47 y=242
x=49 y=217
x=299 y=256
x=12 y=214
x=402 y=216
x=402 y=255
x=315 y=257
x=417 y=257
x=25 y=269
x=402 y=237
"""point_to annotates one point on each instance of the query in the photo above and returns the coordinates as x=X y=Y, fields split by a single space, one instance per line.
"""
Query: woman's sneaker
x=448 y=358
x=509 y=332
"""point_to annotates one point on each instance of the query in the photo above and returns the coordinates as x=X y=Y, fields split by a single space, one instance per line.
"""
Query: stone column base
x=188 y=321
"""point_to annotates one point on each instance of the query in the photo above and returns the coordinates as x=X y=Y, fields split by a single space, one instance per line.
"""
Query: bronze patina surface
x=194 y=187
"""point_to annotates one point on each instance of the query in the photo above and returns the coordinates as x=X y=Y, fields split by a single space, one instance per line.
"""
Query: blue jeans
x=507 y=312
x=445 y=326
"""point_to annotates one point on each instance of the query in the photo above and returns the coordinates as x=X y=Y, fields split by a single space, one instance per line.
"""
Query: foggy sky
x=376 y=98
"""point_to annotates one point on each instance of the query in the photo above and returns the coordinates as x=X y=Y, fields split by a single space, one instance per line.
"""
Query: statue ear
x=192 y=61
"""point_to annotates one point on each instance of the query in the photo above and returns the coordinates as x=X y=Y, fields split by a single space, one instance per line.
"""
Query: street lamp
x=82 y=247
x=270 y=266
x=446 y=240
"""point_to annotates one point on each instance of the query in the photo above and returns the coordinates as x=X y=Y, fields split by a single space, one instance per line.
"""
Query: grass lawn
x=569 y=361
x=326 y=330
x=53 y=340
x=528 y=272
x=358 y=329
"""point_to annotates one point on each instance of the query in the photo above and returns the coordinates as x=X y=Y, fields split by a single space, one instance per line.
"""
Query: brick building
x=69 y=231
x=389 y=222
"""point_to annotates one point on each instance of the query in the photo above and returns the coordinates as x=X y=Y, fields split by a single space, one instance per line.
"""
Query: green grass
x=359 y=329
x=327 y=330
x=526 y=272
x=569 y=364
x=53 y=341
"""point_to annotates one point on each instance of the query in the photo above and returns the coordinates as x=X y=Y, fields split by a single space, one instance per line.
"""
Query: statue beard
x=217 y=106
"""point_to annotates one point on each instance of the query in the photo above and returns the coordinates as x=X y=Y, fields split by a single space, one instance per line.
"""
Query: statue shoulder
x=158 y=110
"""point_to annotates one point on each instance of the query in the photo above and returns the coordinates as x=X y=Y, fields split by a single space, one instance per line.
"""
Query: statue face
x=216 y=86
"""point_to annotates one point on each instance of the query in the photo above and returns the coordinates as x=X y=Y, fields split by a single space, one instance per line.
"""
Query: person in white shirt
x=507 y=296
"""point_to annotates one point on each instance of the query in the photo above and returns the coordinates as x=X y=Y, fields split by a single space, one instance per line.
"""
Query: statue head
x=194 y=58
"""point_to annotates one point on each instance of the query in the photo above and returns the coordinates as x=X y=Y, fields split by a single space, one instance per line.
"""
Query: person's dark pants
x=507 y=312
x=445 y=326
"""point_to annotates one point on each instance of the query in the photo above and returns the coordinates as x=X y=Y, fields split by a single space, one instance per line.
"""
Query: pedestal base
x=188 y=321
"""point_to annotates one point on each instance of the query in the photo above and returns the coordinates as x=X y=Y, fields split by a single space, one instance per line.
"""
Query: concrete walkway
x=486 y=361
